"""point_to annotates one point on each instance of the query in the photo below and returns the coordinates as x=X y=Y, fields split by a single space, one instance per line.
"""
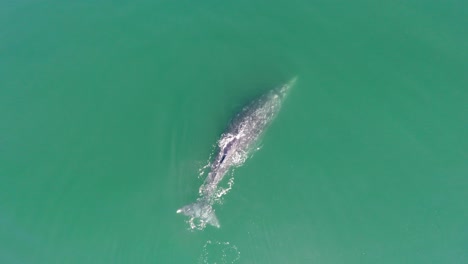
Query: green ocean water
x=108 y=109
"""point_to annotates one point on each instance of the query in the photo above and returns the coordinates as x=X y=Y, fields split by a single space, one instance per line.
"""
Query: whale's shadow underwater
x=234 y=146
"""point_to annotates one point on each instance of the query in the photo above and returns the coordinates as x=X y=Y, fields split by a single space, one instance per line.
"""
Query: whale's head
x=284 y=89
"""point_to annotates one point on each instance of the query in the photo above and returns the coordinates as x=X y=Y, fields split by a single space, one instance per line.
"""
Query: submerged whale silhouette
x=234 y=147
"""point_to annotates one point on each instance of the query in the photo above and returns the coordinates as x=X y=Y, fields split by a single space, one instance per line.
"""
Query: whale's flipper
x=201 y=210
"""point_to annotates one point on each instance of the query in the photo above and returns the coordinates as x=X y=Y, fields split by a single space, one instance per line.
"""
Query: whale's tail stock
x=202 y=211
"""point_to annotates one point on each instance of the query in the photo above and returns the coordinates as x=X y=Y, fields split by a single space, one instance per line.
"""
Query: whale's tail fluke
x=202 y=211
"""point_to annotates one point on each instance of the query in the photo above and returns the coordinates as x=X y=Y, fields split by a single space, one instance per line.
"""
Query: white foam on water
x=220 y=191
x=219 y=252
x=196 y=224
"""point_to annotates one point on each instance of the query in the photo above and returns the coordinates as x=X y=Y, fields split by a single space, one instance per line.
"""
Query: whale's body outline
x=234 y=146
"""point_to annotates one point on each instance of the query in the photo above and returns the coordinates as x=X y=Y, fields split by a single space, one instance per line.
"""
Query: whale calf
x=234 y=147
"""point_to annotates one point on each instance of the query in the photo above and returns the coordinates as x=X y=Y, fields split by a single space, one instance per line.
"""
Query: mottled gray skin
x=234 y=147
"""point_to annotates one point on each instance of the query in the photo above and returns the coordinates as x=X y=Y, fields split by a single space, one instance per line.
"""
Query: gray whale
x=234 y=146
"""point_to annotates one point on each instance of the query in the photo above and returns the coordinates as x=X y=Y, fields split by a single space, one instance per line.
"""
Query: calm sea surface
x=108 y=109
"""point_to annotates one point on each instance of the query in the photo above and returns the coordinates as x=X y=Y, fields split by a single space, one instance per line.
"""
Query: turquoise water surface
x=109 y=109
